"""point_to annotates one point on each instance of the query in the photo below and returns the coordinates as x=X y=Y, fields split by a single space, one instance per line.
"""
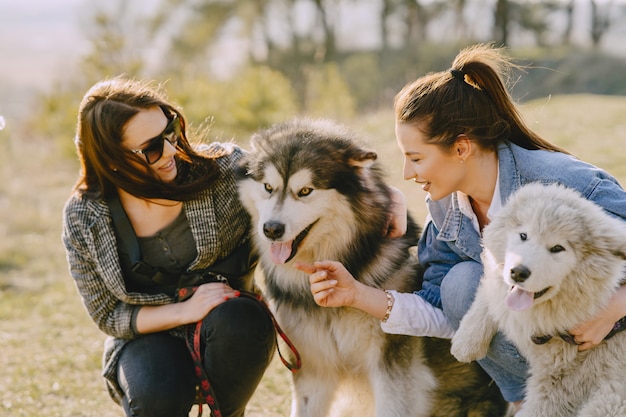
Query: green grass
x=50 y=348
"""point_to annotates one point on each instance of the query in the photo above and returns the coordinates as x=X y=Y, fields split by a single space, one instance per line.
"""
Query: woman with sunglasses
x=183 y=207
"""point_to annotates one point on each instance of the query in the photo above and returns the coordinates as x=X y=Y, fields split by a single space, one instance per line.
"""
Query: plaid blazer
x=218 y=222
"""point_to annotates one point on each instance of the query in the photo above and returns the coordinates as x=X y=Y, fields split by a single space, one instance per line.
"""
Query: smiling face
x=440 y=173
x=289 y=210
x=138 y=133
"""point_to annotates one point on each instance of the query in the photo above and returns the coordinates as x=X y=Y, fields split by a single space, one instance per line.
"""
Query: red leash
x=292 y=367
x=205 y=393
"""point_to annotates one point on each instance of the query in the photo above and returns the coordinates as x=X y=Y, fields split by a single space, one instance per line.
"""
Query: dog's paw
x=468 y=349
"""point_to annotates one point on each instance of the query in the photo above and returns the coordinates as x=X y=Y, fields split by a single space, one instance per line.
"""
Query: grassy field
x=51 y=350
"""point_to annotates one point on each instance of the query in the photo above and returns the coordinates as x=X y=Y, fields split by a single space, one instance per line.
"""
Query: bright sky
x=37 y=37
x=38 y=40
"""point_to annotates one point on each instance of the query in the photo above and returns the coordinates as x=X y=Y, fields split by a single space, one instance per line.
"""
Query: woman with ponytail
x=465 y=143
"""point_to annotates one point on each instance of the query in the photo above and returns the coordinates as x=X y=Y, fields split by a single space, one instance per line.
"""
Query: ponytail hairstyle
x=106 y=165
x=470 y=98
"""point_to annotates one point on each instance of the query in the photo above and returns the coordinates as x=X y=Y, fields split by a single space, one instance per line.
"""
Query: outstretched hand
x=331 y=283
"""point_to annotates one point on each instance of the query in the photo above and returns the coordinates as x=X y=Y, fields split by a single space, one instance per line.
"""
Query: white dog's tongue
x=519 y=299
x=280 y=251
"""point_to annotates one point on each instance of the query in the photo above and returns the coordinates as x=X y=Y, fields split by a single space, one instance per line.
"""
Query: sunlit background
x=238 y=66
x=360 y=50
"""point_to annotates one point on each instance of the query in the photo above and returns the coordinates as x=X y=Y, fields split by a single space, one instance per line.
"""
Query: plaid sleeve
x=94 y=266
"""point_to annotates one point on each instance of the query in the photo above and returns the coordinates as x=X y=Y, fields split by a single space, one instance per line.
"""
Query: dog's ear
x=360 y=158
x=241 y=169
x=611 y=235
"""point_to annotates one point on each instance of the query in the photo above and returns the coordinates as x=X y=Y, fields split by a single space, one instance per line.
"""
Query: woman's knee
x=458 y=289
x=156 y=375
x=241 y=320
x=158 y=403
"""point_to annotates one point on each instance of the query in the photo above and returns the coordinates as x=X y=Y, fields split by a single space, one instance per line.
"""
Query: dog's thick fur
x=314 y=194
x=552 y=260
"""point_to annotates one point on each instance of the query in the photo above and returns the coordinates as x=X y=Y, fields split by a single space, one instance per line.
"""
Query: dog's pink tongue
x=280 y=251
x=519 y=300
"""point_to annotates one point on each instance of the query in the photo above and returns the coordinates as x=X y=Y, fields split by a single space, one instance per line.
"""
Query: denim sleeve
x=437 y=259
x=610 y=196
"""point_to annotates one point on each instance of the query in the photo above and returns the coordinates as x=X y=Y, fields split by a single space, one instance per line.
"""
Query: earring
x=414 y=179
x=461 y=160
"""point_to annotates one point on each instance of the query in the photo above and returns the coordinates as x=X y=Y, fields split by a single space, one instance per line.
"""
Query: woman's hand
x=206 y=298
x=152 y=319
x=333 y=286
x=331 y=283
x=592 y=332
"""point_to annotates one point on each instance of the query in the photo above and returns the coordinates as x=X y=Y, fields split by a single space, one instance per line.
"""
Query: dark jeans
x=156 y=371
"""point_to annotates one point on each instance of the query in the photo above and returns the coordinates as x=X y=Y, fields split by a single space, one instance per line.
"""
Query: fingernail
x=225 y=298
x=237 y=293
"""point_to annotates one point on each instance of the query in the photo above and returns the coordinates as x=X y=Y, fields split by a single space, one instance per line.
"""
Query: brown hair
x=469 y=98
x=106 y=165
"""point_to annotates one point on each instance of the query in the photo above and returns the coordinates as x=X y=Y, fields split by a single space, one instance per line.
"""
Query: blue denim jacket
x=449 y=237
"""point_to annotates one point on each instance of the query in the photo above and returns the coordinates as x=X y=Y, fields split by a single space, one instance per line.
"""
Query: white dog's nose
x=520 y=273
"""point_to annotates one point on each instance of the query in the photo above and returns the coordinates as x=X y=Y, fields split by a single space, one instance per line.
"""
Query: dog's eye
x=305 y=191
x=523 y=236
x=557 y=249
x=268 y=188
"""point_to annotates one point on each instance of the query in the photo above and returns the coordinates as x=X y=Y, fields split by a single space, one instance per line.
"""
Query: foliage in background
x=327 y=93
x=256 y=97
x=294 y=58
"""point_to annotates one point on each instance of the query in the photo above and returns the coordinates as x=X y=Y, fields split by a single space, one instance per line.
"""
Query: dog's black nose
x=520 y=273
x=273 y=229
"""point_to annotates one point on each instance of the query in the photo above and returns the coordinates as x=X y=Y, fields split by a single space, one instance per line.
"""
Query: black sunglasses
x=154 y=150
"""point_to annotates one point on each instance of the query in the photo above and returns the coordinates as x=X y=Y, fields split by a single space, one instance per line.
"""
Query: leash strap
x=206 y=395
x=293 y=367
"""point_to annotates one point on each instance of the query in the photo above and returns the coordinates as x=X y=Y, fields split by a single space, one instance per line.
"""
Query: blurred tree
x=600 y=20
x=115 y=38
x=569 y=25
x=502 y=14
x=537 y=18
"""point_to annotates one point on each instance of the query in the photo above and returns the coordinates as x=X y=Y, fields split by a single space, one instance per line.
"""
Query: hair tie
x=458 y=74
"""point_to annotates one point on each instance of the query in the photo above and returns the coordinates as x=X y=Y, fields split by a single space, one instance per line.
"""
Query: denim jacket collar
x=510 y=177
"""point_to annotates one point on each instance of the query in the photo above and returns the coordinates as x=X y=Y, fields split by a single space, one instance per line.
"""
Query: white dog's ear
x=611 y=234
x=494 y=238
x=614 y=231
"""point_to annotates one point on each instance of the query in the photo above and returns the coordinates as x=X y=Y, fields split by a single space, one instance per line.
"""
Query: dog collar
x=617 y=327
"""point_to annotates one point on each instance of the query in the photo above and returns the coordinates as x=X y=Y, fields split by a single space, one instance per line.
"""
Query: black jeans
x=156 y=371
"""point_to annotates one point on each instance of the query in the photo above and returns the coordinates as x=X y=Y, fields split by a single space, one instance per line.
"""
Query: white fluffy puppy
x=552 y=260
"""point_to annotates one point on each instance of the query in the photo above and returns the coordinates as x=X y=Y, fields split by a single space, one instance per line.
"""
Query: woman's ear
x=462 y=147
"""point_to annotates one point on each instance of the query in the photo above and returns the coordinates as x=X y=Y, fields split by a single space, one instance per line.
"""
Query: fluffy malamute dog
x=552 y=260
x=314 y=194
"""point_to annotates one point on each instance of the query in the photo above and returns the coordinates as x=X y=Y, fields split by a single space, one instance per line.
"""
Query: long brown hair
x=105 y=164
x=469 y=98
